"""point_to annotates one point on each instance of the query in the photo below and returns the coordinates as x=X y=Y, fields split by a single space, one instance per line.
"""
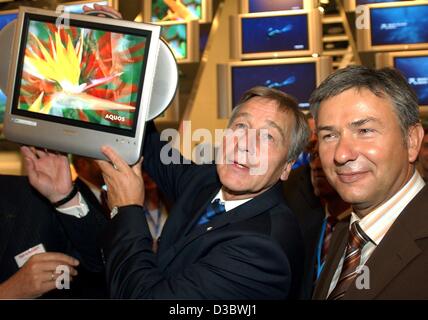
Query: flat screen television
x=413 y=65
x=6 y=17
x=350 y=5
x=252 y=6
x=172 y=10
x=295 y=76
x=77 y=6
x=276 y=34
x=395 y=26
x=78 y=88
x=183 y=39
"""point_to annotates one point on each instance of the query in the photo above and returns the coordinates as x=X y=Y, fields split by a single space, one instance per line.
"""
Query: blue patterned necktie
x=214 y=209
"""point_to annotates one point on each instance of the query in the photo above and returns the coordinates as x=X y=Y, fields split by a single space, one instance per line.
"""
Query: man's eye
x=366 y=131
x=327 y=136
x=240 y=126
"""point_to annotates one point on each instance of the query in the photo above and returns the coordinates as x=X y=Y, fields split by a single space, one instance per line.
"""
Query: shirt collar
x=229 y=204
x=377 y=223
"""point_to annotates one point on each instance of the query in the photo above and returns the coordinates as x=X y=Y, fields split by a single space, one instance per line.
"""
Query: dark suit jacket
x=398 y=266
x=28 y=219
x=300 y=197
x=252 y=252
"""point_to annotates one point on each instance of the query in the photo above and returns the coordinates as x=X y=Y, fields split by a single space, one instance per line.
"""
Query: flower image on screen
x=171 y=10
x=415 y=70
x=176 y=37
x=298 y=79
x=399 y=25
x=276 y=33
x=82 y=74
x=4 y=20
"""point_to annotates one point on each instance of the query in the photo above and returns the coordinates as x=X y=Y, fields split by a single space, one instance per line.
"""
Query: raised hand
x=125 y=185
x=48 y=172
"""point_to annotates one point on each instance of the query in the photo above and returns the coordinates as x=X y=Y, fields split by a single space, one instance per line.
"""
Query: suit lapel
x=397 y=249
x=338 y=243
x=259 y=204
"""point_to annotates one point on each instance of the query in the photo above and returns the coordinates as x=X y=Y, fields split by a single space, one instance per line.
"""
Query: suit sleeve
x=165 y=165
x=249 y=267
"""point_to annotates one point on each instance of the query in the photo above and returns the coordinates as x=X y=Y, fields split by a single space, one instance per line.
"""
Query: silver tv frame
x=82 y=138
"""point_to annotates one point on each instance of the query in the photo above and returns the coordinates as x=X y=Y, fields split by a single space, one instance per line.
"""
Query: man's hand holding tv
x=125 y=184
x=50 y=174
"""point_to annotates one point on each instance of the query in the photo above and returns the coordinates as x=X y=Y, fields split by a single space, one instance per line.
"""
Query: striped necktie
x=356 y=241
x=213 y=209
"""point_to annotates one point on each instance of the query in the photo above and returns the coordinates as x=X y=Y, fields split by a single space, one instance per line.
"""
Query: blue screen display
x=277 y=33
x=4 y=20
x=298 y=79
x=273 y=5
x=399 y=25
x=360 y=2
x=415 y=70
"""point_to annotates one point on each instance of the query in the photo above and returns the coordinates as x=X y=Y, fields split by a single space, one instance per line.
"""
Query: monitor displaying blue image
x=399 y=25
x=361 y=2
x=415 y=70
x=4 y=20
x=78 y=7
x=298 y=79
x=273 y=5
x=275 y=33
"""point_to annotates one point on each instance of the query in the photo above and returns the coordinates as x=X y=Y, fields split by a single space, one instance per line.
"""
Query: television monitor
x=78 y=88
x=295 y=76
x=6 y=17
x=413 y=65
x=350 y=5
x=183 y=39
x=252 y=6
x=172 y=10
x=276 y=34
x=77 y=6
x=395 y=26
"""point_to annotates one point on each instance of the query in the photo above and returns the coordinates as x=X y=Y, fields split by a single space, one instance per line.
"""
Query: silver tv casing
x=72 y=139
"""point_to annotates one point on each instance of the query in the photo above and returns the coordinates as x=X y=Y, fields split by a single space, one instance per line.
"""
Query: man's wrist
x=71 y=195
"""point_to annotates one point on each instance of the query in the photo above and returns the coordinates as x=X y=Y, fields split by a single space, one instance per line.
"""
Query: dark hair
x=286 y=103
x=385 y=83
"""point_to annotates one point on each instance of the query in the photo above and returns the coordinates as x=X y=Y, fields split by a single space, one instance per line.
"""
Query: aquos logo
x=114 y=117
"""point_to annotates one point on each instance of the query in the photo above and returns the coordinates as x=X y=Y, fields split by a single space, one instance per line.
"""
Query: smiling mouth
x=351 y=177
x=240 y=166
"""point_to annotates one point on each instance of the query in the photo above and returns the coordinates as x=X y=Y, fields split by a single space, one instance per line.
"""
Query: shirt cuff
x=78 y=211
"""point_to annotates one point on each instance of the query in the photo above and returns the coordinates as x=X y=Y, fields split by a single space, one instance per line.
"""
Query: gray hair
x=286 y=103
x=385 y=83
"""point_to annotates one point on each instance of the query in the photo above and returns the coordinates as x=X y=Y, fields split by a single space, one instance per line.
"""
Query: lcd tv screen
x=176 y=36
x=273 y=5
x=298 y=79
x=415 y=70
x=275 y=33
x=86 y=75
x=362 y=2
x=399 y=25
x=176 y=10
x=4 y=20
x=78 y=7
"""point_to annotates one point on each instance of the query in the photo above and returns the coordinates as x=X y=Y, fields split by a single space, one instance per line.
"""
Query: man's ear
x=286 y=171
x=414 y=141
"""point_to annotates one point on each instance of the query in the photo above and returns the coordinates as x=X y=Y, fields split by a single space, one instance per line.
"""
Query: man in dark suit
x=229 y=234
x=28 y=220
x=369 y=138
